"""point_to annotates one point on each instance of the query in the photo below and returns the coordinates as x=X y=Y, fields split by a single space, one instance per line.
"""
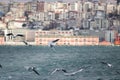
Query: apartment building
x=2 y=25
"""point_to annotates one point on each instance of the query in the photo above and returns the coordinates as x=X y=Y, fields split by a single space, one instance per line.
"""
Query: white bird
x=65 y=72
x=52 y=43
x=73 y=73
x=108 y=64
x=9 y=77
x=59 y=69
x=33 y=69
x=14 y=36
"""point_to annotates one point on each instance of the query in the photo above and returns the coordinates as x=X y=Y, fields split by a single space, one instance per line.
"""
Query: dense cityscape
x=82 y=22
x=60 y=40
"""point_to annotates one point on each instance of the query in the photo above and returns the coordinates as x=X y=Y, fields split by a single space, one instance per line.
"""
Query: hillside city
x=82 y=22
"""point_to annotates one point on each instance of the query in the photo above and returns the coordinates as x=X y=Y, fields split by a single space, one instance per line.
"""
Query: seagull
x=52 y=43
x=65 y=72
x=108 y=64
x=0 y=66
x=21 y=35
x=10 y=34
x=59 y=69
x=33 y=69
x=14 y=36
x=73 y=73
x=26 y=43
x=117 y=72
x=99 y=79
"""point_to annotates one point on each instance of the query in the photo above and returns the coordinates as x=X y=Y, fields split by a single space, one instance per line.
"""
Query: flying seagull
x=0 y=66
x=65 y=72
x=99 y=79
x=108 y=64
x=117 y=72
x=14 y=36
x=59 y=69
x=52 y=43
x=34 y=70
x=73 y=73
x=26 y=43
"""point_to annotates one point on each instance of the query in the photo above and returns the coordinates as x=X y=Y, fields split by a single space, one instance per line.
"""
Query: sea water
x=15 y=61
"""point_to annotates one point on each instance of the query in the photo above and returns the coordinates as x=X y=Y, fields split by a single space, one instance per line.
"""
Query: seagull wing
x=36 y=72
x=64 y=70
x=109 y=65
x=103 y=62
x=54 y=71
x=0 y=66
x=21 y=35
x=25 y=42
x=55 y=40
x=51 y=44
x=73 y=73
x=10 y=34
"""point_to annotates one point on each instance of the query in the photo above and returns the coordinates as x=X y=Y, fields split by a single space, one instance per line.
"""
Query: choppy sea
x=16 y=60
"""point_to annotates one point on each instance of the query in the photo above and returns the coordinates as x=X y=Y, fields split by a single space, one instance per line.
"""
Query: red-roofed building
x=117 y=40
x=105 y=43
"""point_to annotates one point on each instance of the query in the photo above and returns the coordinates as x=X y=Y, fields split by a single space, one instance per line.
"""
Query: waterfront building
x=110 y=35
x=71 y=40
x=97 y=33
x=105 y=43
x=117 y=39
x=1 y=40
x=55 y=33
x=66 y=38
x=29 y=35
x=1 y=37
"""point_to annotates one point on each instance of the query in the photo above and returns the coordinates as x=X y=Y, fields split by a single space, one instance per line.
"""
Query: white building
x=110 y=36
x=2 y=25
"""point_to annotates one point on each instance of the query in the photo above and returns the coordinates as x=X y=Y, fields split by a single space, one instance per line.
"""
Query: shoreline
x=62 y=45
